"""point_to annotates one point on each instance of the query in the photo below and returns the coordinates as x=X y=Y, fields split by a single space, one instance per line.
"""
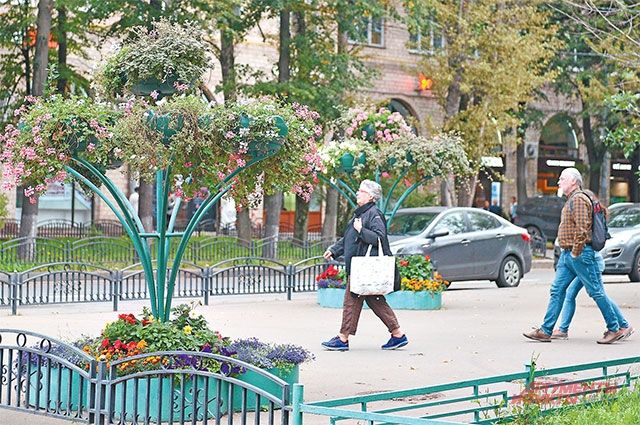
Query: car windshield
x=629 y=217
x=411 y=224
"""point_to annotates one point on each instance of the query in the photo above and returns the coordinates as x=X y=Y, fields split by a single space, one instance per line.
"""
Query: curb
x=542 y=263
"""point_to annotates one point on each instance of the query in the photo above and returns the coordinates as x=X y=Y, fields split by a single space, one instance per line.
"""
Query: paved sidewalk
x=477 y=333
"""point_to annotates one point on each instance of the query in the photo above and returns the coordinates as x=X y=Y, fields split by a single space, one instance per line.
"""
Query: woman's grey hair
x=573 y=173
x=372 y=188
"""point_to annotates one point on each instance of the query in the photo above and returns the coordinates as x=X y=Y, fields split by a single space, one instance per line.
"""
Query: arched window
x=558 y=137
x=403 y=108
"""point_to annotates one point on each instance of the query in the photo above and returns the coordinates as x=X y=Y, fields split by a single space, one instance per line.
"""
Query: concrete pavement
x=477 y=333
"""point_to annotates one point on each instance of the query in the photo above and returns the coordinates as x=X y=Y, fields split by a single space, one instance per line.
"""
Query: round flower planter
x=148 y=86
x=347 y=162
x=53 y=389
x=291 y=376
x=399 y=300
x=263 y=148
x=330 y=297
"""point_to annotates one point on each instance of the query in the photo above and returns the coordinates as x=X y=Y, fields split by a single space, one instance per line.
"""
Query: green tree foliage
x=495 y=55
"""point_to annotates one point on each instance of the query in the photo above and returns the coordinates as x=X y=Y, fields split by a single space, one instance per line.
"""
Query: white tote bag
x=372 y=275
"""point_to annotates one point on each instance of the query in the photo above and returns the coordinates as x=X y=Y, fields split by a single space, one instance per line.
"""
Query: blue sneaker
x=394 y=343
x=336 y=344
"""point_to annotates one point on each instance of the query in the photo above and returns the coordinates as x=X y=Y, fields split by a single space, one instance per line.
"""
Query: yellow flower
x=187 y=329
x=142 y=344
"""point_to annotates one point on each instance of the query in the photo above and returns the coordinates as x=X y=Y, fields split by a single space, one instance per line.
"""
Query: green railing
x=495 y=399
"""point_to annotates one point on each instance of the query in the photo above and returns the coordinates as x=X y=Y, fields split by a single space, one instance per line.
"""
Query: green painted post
x=297 y=400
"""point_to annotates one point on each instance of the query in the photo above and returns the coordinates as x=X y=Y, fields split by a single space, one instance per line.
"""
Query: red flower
x=145 y=322
x=129 y=318
x=118 y=345
x=404 y=263
x=105 y=343
x=426 y=257
x=332 y=271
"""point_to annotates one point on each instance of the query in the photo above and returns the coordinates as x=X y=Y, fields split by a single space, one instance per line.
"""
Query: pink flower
x=188 y=164
x=385 y=175
x=154 y=94
x=221 y=175
x=91 y=147
x=29 y=191
x=230 y=135
x=181 y=86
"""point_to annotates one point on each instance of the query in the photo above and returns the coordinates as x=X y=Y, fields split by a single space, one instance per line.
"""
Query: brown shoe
x=538 y=335
x=610 y=337
x=627 y=332
x=558 y=334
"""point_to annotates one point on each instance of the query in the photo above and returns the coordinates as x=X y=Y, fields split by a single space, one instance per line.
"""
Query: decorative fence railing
x=495 y=399
x=44 y=376
x=68 y=282
x=60 y=228
x=104 y=250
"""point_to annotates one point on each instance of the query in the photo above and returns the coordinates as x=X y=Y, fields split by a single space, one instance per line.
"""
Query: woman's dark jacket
x=354 y=244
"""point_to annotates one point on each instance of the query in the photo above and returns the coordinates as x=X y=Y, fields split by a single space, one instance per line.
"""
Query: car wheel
x=510 y=273
x=634 y=276
x=534 y=232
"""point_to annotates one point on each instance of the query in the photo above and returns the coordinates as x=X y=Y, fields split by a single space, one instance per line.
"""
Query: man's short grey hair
x=573 y=173
x=372 y=188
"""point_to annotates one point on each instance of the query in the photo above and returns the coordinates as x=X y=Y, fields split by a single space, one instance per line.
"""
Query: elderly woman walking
x=364 y=229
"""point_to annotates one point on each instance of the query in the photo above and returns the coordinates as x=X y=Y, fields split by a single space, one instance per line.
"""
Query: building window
x=370 y=31
x=427 y=38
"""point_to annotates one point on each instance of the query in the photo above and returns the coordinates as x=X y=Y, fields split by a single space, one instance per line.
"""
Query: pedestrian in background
x=577 y=259
x=513 y=209
x=569 y=306
x=496 y=209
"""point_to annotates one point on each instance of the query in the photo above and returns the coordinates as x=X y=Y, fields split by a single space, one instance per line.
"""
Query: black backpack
x=599 y=230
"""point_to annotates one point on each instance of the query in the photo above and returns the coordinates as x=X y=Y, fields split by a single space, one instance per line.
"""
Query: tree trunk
x=62 y=50
x=145 y=205
x=466 y=190
x=521 y=172
x=301 y=221
x=330 y=222
x=29 y=214
x=227 y=66
x=635 y=187
x=595 y=160
x=301 y=217
x=272 y=207
x=284 y=59
x=243 y=227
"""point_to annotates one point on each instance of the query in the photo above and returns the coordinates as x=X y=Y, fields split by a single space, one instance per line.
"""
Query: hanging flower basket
x=347 y=162
x=149 y=85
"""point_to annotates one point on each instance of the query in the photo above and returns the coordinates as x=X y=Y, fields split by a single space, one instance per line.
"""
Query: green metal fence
x=495 y=399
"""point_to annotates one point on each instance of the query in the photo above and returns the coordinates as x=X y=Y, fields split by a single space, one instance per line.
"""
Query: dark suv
x=540 y=215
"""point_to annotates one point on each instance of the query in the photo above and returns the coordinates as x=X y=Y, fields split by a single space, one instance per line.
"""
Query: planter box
x=150 y=386
x=399 y=300
x=67 y=389
x=330 y=297
x=257 y=380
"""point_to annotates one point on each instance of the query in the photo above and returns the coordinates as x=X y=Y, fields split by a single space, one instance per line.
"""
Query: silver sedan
x=464 y=243
x=622 y=252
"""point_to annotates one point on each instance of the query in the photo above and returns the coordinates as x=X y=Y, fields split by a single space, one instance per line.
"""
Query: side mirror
x=438 y=234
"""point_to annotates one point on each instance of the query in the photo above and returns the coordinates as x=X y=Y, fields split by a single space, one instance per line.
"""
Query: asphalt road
x=477 y=333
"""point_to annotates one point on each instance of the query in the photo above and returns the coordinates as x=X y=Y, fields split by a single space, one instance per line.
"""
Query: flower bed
x=138 y=339
x=421 y=286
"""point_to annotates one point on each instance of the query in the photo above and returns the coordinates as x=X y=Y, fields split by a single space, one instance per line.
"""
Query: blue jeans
x=586 y=269
x=569 y=306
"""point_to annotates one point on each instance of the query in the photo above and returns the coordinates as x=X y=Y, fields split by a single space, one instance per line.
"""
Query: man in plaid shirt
x=577 y=259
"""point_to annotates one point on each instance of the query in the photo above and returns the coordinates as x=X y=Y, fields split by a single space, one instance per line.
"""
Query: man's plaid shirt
x=575 y=224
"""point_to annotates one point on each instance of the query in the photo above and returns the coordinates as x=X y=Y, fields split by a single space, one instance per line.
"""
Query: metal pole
x=297 y=400
x=73 y=203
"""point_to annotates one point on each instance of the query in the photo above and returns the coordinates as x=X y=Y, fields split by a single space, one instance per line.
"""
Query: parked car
x=540 y=215
x=621 y=253
x=464 y=243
